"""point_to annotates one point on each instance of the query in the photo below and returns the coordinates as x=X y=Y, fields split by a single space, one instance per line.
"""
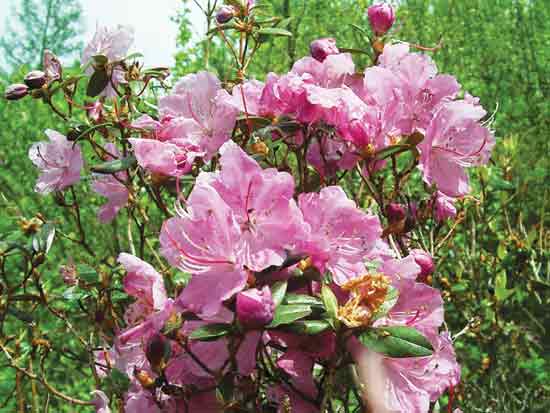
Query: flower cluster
x=289 y=280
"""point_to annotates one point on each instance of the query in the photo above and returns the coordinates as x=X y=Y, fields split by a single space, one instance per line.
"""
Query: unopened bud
x=425 y=262
x=16 y=91
x=395 y=212
x=321 y=48
x=52 y=66
x=69 y=273
x=381 y=18
x=225 y=14
x=35 y=79
x=255 y=308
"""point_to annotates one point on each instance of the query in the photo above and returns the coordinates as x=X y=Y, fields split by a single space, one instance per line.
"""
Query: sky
x=155 y=33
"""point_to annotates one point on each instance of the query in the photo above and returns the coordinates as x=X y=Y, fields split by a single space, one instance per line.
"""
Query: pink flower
x=381 y=17
x=246 y=97
x=414 y=81
x=255 y=307
x=101 y=402
x=444 y=207
x=205 y=105
x=328 y=155
x=143 y=282
x=148 y=314
x=341 y=235
x=242 y=217
x=111 y=187
x=424 y=261
x=140 y=400
x=114 y=44
x=413 y=382
x=59 y=160
x=195 y=121
x=454 y=140
x=321 y=48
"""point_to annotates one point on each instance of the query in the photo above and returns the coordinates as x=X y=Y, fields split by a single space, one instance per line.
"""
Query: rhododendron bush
x=280 y=233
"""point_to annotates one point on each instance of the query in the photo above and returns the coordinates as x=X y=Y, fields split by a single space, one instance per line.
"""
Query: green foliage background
x=496 y=273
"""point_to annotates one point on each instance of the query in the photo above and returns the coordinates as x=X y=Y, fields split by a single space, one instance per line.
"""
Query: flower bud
x=321 y=48
x=35 y=79
x=255 y=308
x=444 y=207
x=52 y=66
x=16 y=91
x=69 y=273
x=224 y=14
x=395 y=212
x=381 y=18
x=158 y=351
x=425 y=262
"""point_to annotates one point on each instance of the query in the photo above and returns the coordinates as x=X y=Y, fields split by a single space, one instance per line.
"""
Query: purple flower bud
x=224 y=14
x=255 y=308
x=425 y=262
x=35 y=79
x=69 y=273
x=381 y=18
x=52 y=66
x=321 y=48
x=396 y=212
x=16 y=91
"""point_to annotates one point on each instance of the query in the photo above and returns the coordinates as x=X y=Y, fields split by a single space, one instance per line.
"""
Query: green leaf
x=210 y=332
x=73 y=293
x=226 y=388
x=309 y=327
x=134 y=56
x=87 y=273
x=100 y=60
x=501 y=292
x=278 y=291
x=115 y=166
x=391 y=299
x=391 y=150
x=274 y=31
x=330 y=302
x=97 y=83
x=302 y=299
x=287 y=314
x=396 y=341
x=43 y=240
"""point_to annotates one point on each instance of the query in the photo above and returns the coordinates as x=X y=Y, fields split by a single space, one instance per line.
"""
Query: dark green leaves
x=115 y=166
x=396 y=342
x=287 y=314
x=98 y=82
x=309 y=327
x=274 y=31
x=210 y=332
x=391 y=150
